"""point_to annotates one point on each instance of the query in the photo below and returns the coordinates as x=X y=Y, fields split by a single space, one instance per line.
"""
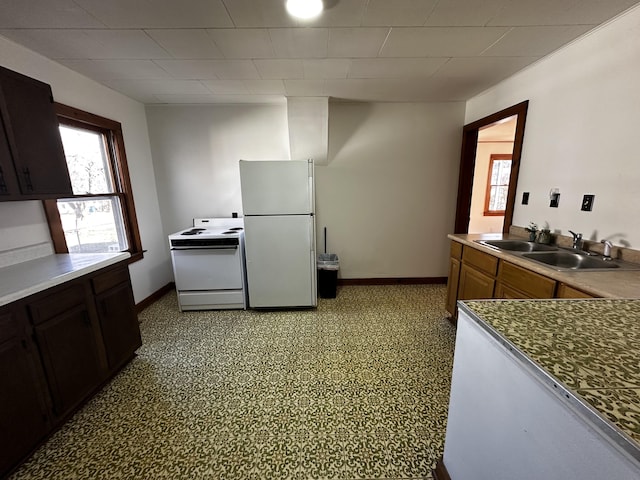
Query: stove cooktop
x=207 y=228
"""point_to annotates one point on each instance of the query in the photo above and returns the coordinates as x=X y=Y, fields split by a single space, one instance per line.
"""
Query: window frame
x=112 y=131
x=487 y=198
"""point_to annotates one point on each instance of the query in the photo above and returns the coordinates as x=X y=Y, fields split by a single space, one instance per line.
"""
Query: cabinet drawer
x=530 y=283
x=565 y=291
x=110 y=279
x=57 y=303
x=456 y=250
x=480 y=260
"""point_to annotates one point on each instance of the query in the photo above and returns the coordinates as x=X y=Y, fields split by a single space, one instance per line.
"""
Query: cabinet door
x=69 y=350
x=119 y=323
x=452 y=285
x=23 y=395
x=474 y=284
x=9 y=189
x=31 y=127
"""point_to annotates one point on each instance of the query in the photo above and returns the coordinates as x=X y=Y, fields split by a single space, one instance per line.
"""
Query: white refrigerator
x=279 y=224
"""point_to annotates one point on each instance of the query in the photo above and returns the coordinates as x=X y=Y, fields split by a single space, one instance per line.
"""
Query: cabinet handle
x=27 y=178
x=3 y=183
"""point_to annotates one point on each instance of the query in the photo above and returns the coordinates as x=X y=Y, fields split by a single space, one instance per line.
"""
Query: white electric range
x=208 y=264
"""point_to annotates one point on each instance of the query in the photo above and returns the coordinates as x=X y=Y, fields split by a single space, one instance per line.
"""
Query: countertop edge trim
x=59 y=280
x=609 y=430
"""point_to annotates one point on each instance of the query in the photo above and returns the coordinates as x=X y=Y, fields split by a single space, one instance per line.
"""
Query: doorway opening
x=489 y=167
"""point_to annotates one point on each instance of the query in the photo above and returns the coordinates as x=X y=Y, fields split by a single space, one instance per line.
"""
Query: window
x=100 y=217
x=498 y=184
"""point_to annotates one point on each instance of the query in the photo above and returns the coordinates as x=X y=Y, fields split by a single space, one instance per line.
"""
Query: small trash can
x=328 y=266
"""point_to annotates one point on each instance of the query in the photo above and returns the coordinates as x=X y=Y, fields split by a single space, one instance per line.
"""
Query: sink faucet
x=607 y=249
x=577 y=240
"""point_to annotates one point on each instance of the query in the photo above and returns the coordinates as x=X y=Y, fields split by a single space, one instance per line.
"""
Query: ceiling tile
x=226 y=87
x=245 y=87
x=341 y=13
x=596 y=11
x=440 y=41
x=243 y=43
x=155 y=87
x=209 y=69
x=89 y=44
x=479 y=69
x=395 y=67
x=464 y=13
x=279 y=68
x=299 y=42
x=265 y=87
x=46 y=14
x=392 y=90
x=158 y=13
x=356 y=42
x=559 y=12
x=305 y=88
x=116 y=69
x=186 y=43
x=219 y=99
x=326 y=68
x=259 y=13
x=534 y=41
x=406 y=13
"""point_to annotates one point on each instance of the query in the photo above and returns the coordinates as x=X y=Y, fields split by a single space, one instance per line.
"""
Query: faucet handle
x=576 y=236
x=607 y=248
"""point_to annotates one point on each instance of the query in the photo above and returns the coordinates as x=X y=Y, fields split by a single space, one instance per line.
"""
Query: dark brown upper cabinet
x=32 y=160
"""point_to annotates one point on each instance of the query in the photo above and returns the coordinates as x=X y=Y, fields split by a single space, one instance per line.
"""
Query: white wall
x=388 y=193
x=581 y=132
x=478 y=222
x=196 y=150
x=23 y=224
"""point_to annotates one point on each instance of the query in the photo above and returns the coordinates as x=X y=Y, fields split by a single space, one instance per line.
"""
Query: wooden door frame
x=468 y=162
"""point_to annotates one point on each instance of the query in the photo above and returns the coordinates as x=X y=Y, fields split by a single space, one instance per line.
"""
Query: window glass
x=93 y=225
x=498 y=187
x=89 y=166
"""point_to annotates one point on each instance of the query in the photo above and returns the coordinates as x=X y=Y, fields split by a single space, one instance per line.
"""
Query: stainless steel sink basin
x=517 y=245
x=577 y=261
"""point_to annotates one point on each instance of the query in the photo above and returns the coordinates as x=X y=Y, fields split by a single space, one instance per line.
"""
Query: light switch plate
x=525 y=198
x=587 y=203
x=555 y=200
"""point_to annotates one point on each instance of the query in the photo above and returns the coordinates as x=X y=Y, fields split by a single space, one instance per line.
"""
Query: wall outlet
x=555 y=200
x=587 y=203
x=525 y=198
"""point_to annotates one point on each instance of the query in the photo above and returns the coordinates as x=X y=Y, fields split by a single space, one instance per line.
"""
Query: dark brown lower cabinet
x=57 y=348
x=70 y=356
x=118 y=319
x=24 y=418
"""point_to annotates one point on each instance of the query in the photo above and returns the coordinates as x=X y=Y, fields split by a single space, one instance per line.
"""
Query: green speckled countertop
x=591 y=347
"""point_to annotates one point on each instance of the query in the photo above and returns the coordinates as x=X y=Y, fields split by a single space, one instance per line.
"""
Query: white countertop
x=26 y=278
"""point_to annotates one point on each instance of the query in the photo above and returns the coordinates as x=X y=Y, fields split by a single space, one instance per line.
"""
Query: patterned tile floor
x=357 y=389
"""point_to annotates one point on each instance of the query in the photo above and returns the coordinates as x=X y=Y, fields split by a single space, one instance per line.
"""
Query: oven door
x=207 y=268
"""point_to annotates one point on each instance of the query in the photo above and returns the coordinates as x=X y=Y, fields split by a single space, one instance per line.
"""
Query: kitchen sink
x=578 y=261
x=517 y=245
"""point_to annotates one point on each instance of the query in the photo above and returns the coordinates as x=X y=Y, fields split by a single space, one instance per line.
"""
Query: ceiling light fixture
x=304 y=9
